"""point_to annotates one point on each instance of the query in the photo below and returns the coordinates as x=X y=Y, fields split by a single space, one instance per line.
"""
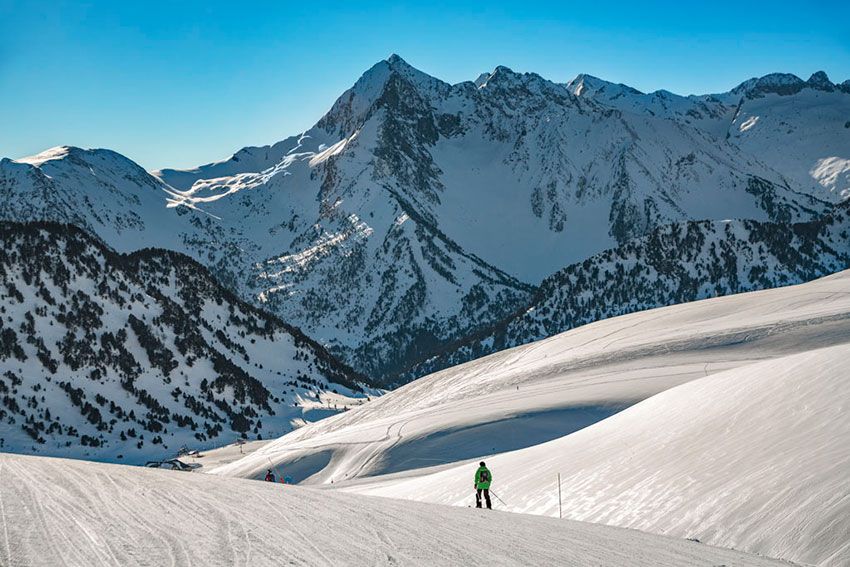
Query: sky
x=179 y=84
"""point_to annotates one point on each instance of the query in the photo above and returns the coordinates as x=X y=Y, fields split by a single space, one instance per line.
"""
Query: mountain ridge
x=416 y=213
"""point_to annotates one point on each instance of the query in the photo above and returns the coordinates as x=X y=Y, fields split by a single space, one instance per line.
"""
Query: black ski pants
x=486 y=492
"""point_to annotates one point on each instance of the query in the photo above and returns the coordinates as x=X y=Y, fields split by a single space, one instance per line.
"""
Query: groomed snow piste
x=755 y=458
x=743 y=439
x=64 y=512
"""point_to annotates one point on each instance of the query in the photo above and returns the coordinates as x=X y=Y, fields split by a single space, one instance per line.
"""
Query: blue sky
x=180 y=84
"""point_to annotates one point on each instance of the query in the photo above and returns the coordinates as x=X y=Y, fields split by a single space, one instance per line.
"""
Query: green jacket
x=483 y=483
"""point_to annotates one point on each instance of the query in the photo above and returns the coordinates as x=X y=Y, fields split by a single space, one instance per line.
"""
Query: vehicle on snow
x=173 y=465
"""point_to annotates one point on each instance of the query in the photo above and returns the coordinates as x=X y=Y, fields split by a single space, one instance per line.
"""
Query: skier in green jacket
x=483 y=478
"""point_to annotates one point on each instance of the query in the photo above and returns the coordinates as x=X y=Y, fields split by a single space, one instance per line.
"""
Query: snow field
x=741 y=439
x=65 y=512
x=515 y=398
x=754 y=458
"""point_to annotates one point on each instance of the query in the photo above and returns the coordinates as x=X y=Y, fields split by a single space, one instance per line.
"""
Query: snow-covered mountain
x=110 y=356
x=416 y=213
x=672 y=264
x=404 y=293
x=798 y=128
x=734 y=431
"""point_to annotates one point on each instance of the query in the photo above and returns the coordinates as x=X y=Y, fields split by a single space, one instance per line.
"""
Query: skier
x=269 y=476
x=483 y=478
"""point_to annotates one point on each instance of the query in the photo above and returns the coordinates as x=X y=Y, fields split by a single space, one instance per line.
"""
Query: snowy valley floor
x=77 y=513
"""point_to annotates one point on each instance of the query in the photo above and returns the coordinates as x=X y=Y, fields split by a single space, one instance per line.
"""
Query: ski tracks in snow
x=6 y=541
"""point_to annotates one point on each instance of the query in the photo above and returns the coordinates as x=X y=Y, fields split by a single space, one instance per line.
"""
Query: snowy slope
x=109 y=356
x=754 y=458
x=545 y=390
x=76 y=513
x=740 y=439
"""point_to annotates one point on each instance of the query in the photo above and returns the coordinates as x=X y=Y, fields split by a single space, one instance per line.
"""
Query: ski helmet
x=482 y=464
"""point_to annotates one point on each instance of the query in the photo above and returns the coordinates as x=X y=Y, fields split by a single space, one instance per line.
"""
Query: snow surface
x=755 y=458
x=788 y=124
x=515 y=398
x=742 y=440
x=60 y=512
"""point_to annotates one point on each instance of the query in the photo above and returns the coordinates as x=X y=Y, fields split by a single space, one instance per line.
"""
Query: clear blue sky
x=180 y=85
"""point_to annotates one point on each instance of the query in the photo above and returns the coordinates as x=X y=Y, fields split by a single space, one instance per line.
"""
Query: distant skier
x=269 y=476
x=483 y=478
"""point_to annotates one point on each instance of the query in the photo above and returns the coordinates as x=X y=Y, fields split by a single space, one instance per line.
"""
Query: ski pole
x=497 y=497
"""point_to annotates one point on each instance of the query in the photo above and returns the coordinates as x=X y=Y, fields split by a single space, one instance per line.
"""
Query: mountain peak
x=504 y=77
x=500 y=73
x=783 y=84
x=378 y=74
x=56 y=152
x=93 y=157
x=355 y=103
x=588 y=85
x=820 y=81
x=482 y=79
x=395 y=63
x=395 y=59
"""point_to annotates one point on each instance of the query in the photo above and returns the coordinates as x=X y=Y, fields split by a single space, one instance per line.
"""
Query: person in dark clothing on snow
x=269 y=476
x=483 y=478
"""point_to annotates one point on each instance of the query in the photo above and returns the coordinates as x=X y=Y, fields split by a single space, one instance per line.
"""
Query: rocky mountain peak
x=820 y=81
x=783 y=84
x=588 y=86
x=482 y=79
x=356 y=104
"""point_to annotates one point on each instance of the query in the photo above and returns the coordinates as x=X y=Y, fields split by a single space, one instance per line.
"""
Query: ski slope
x=742 y=437
x=63 y=512
x=545 y=390
x=755 y=458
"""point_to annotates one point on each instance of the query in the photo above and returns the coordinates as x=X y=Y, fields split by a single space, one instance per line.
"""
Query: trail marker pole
x=560 y=513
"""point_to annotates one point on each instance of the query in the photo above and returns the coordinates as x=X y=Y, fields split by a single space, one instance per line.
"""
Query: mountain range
x=418 y=216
